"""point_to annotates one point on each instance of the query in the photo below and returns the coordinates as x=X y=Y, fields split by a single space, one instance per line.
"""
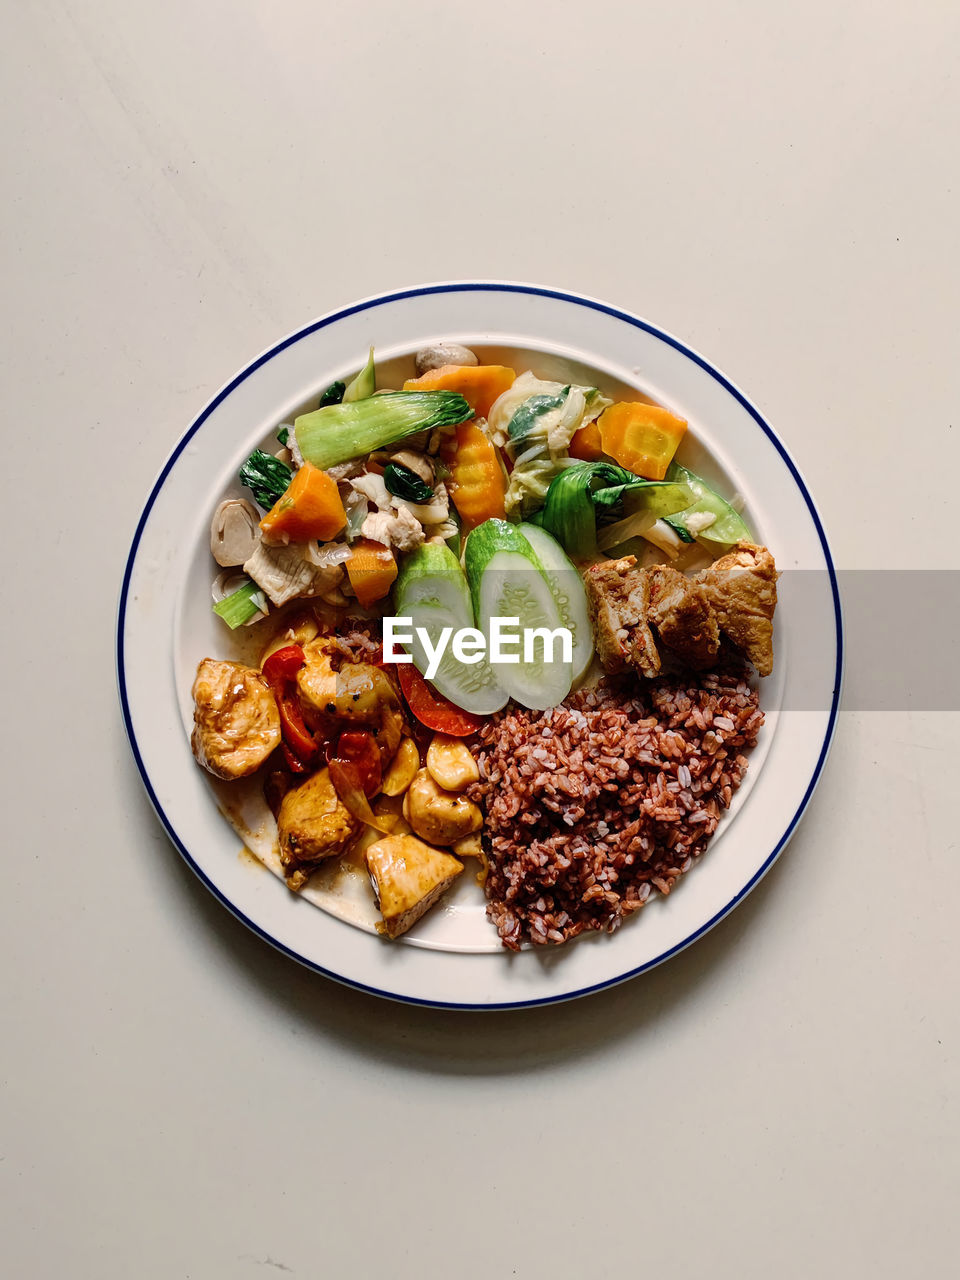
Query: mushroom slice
x=234 y=532
x=408 y=877
x=441 y=353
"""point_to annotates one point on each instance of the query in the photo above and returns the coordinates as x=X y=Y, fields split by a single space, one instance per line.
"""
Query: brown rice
x=592 y=807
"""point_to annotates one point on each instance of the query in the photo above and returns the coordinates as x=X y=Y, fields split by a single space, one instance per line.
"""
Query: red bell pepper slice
x=432 y=708
x=280 y=672
x=358 y=747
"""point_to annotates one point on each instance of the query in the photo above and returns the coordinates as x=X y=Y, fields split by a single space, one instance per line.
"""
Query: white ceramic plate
x=165 y=627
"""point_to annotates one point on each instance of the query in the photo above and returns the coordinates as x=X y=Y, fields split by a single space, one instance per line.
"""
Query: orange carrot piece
x=479 y=384
x=586 y=444
x=477 y=482
x=641 y=437
x=371 y=570
x=309 y=509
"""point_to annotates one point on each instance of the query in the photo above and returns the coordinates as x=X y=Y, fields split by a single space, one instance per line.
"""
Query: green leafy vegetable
x=537 y=420
x=589 y=492
x=283 y=435
x=528 y=418
x=340 y=432
x=266 y=477
x=726 y=526
x=404 y=483
x=240 y=606
x=333 y=394
x=364 y=384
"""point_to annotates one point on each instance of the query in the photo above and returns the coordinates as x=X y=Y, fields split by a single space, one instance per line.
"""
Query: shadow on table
x=454 y=1042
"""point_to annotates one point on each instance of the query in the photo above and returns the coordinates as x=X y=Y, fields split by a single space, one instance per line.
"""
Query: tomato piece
x=358 y=747
x=280 y=672
x=432 y=708
x=295 y=732
x=283 y=665
x=293 y=762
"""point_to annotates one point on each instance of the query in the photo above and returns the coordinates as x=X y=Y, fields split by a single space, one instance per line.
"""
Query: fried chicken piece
x=408 y=877
x=313 y=824
x=682 y=616
x=741 y=588
x=236 y=723
x=618 y=595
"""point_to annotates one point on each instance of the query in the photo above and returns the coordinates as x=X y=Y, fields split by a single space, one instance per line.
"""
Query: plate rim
x=467 y=286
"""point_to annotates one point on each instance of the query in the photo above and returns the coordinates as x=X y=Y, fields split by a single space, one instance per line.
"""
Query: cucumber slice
x=432 y=575
x=569 y=594
x=511 y=585
x=472 y=687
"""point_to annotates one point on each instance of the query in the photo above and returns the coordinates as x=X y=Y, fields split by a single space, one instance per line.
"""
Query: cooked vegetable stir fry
x=434 y=518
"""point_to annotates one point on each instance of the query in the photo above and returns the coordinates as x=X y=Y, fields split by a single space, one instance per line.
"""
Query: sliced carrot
x=371 y=570
x=477 y=482
x=479 y=384
x=641 y=437
x=586 y=444
x=309 y=509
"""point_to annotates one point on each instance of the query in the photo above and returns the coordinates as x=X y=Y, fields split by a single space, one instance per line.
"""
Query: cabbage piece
x=535 y=421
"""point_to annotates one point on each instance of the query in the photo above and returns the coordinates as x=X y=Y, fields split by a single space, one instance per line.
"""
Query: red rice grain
x=594 y=805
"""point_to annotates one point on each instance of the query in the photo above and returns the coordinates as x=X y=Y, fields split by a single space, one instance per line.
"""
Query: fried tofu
x=313 y=824
x=408 y=877
x=681 y=614
x=618 y=595
x=236 y=724
x=741 y=588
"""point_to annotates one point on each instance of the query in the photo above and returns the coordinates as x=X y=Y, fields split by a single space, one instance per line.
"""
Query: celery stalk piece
x=340 y=432
x=240 y=606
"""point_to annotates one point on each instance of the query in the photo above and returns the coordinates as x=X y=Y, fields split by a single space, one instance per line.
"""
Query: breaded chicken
x=408 y=877
x=618 y=594
x=313 y=824
x=741 y=588
x=681 y=614
x=236 y=724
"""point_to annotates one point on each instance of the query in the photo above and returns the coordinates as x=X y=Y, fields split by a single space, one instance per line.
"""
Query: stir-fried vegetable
x=480 y=385
x=241 y=605
x=642 y=437
x=340 y=432
x=586 y=443
x=364 y=384
x=309 y=509
x=280 y=672
x=371 y=569
x=587 y=491
x=536 y=422
x=404 y=483
x=266 y=477
x=477 y=482
x=348 y=783
x=358 y=747
x=431 y=708
x=710 y=518
x=333 y=395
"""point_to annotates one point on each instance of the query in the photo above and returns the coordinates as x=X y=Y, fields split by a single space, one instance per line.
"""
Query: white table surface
x=186 y=182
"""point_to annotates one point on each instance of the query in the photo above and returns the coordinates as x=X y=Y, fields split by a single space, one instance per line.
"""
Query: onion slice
x=346 y=780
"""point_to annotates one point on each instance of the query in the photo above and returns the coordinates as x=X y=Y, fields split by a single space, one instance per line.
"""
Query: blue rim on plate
x=466 y=287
